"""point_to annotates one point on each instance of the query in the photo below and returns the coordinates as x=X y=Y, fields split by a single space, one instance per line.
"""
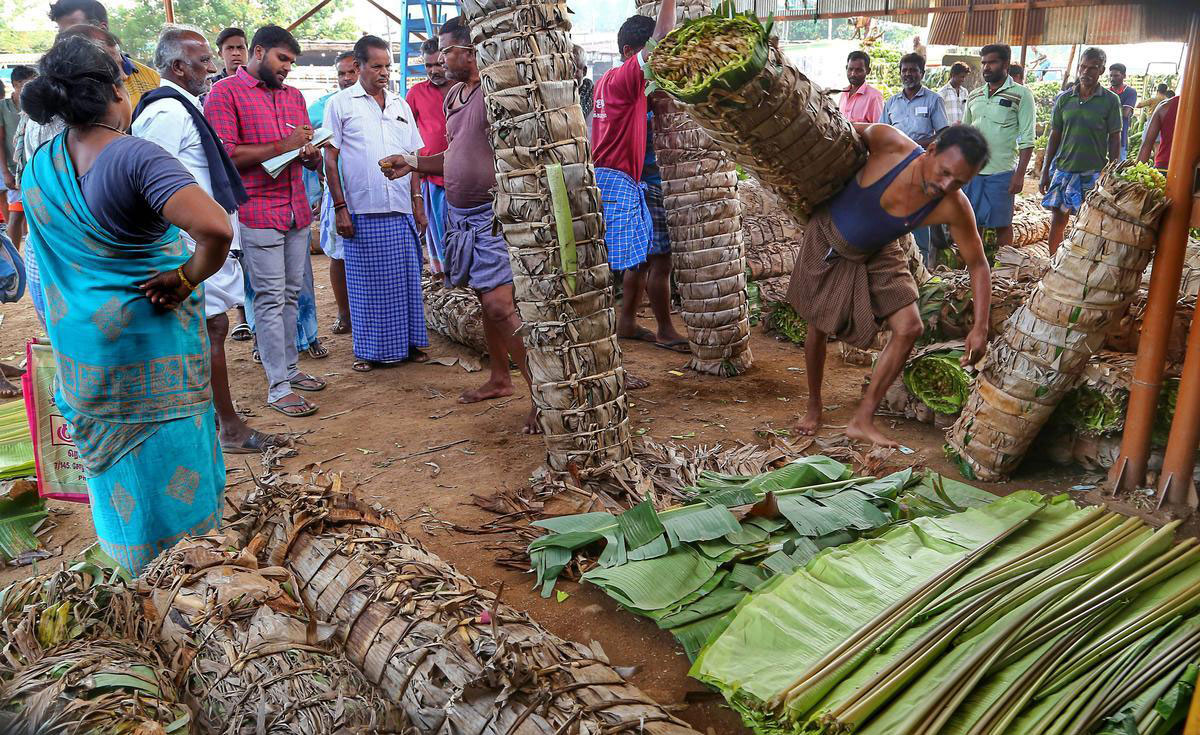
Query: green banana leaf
x=20 y=516
x=794 y=620
x=722 y=51
x=939 y=381
x=1166 y=410
x=1093 y=411
x=784 y=321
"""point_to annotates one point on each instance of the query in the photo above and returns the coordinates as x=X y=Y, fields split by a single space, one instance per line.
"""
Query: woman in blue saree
x=124 y=306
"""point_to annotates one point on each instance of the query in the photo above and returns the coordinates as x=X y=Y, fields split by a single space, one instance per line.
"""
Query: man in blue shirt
x=1128 y=95
x=920 y=113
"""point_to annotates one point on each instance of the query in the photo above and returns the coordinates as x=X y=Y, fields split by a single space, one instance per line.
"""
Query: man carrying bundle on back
x=851 y=275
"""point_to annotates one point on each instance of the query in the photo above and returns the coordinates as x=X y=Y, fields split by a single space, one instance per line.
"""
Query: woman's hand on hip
x=166 y=289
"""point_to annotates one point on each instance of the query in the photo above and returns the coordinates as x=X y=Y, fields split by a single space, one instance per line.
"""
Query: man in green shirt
x=1003 y=112
x=1085 y=135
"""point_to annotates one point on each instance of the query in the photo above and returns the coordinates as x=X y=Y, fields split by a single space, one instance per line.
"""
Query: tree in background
x=20 y=41
x=139 y=24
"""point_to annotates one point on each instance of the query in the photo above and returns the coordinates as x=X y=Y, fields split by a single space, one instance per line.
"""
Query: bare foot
x=7 y=389
x=669 y=335
x=487 y=392
x=865 y=430
x=810 y=422
x=531 y=423
x=633 y=382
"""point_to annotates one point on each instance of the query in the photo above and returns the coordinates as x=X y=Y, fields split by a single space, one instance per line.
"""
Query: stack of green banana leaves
x=22 y=518
x=75 y=658
x=16 y=443
x=777 y=314
x=688 y=566
x=1096 y=406
x=1027 y=615
x=946 y=303
x=936 y=378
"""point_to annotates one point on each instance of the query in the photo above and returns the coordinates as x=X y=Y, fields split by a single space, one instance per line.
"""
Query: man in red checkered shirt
x=257 y=118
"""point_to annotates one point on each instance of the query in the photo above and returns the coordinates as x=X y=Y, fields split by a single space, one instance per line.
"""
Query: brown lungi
x=847 y=294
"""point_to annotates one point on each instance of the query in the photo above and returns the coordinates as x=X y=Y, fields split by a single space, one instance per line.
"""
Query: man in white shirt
x=171 y=116
x=375 y=216
x=954 y=94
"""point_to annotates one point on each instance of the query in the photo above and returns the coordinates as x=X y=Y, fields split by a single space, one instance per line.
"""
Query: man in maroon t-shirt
x=619 y=140
x=427 y=100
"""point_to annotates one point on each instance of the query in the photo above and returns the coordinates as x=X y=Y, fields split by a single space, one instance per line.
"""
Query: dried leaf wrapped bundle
x=703 y=221
x=1096 y=406
x=75 y=659
x=758 y=200
x=771 y=244
x=245 y=653
x=1126 y=335
x=1027 y=264
x=446 y=650
x=946 y=303
x=1047 y=343
x=1031 y=223
x=550 y=212
x=454 y=313
x=935 y=377
x=707 y=251
x=775 y=122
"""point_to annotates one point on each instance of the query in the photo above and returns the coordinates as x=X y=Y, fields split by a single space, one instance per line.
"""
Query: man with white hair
x=171 y=116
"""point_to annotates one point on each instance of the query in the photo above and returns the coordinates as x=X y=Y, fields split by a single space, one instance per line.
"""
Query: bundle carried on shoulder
x=742 y=90
x=1047 y=343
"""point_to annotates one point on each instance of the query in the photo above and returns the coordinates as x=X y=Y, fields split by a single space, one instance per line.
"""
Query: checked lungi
x=434 y=198
x=628 y=227
x=383 y=282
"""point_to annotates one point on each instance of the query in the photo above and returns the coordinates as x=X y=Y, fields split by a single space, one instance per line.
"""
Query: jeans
x=276 y=263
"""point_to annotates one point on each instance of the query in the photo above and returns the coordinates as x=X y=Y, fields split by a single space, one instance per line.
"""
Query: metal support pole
x=170 y=6
x=1129 y=472
x=1180 y=458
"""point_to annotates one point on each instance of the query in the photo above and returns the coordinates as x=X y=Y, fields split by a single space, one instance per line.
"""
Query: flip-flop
x=256 y=443
x=340 y=327
x=362 y=366
x=641 y=335
x=417 y=356
x=241 y=333
x=304 y=408
x=675 y=345
x=309 y=383
x=318 y=351
x=255 y=356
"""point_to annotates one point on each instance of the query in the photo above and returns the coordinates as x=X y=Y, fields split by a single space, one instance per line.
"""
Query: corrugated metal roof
x=1094 y=24
x=876 y=8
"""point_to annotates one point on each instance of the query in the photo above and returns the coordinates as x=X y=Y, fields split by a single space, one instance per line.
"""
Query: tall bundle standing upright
x=1048 y=341
x=704 y=222
x=741 y=89
x=548 y=205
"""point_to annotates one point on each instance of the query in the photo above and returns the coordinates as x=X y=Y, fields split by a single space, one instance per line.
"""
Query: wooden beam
x=316 y=9
x=170 y=6
x=395 y=18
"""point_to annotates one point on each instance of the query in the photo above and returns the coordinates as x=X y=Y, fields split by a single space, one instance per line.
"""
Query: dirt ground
x=367 y=420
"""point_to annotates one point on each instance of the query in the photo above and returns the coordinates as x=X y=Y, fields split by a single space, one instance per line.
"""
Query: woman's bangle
x=339 y=205
x=179 y=272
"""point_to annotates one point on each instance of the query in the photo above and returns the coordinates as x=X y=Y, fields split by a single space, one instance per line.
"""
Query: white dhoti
x=226 y=288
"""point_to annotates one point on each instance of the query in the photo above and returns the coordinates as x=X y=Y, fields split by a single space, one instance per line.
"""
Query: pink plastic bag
x=59 y=468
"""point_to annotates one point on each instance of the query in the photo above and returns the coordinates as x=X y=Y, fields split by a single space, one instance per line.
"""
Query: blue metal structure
x=421 y=20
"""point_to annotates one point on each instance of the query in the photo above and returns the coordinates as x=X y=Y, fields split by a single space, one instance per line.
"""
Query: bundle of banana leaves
x=737 y=85
x=1028 y=615
x=248 y=658
x=76 y=658
x=1126 y=334
x=454 y=313
x=686 y=567
x=1031 y=222
x=16 y=443
x=1027 y=264
x=1096 y=406
x=946 y=303
x=771 y=244
x=937 y=379
x=439 y=645
x=776 y=311
x=1048 y=341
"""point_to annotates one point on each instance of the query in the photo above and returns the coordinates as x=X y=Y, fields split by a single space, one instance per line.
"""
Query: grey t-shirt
x=129 y=184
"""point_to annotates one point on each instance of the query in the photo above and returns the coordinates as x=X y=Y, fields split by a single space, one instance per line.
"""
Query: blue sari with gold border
x=133 y=378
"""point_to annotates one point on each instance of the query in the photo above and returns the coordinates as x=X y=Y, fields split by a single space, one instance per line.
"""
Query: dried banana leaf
x=1096 y=406
x=757 y=106
x=454 y=313
x=532 y=99
x=771 y=245
x=1126 y=335
x=1026 y=265
x=1048 y=342
x=447 y=651
x=245 y=654
x=946 y=304
x=1031 y=223
x=937 y=379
